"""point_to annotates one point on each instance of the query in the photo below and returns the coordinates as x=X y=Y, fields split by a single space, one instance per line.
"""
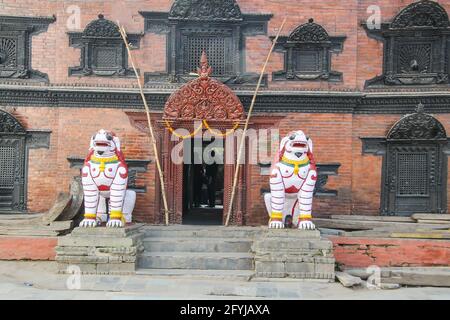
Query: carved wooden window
x=103 y=52
x=217 y=27
x=217 y=48
x=414 y=177
x=415 y=46
x=307 y=53
x=15 y=46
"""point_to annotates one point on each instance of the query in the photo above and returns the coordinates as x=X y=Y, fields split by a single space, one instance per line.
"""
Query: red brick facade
x=336 y=136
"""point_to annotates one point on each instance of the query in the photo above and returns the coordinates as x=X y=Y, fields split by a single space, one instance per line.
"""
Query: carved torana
x=204 y=98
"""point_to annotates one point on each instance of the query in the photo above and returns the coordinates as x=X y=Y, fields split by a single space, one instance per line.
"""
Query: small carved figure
x=292 y=181
x=105 y=176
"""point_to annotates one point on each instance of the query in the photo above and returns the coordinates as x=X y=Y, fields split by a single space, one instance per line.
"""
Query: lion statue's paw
x=114 y=223
x=88 y=223
x=306 y=225
x=276 y=225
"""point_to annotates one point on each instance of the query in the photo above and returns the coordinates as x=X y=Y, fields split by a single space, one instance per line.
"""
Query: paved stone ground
x=38 y=280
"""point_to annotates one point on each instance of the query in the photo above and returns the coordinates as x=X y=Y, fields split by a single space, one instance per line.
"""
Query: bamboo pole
x=241 y=144
x=147 y=110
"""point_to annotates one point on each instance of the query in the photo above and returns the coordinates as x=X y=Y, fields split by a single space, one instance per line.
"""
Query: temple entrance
x=203 y=183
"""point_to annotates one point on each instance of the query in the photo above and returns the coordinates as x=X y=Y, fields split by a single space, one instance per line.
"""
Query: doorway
x=203 y=183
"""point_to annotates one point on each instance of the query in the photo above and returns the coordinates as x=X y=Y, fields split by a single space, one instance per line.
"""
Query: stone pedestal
x=293 y=254
x=100 y=250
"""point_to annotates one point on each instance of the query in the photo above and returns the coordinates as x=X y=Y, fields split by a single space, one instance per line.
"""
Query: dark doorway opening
x=203 y=183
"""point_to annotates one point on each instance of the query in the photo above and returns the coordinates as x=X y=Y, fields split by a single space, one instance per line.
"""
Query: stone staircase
x=198 y=251
x=234 y=253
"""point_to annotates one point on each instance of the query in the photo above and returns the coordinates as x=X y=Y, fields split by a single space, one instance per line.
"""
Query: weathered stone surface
x=61 y=225
x=348 y=280
x=389 y=286
x=116 y=268
x=62 y=203
x=293 y=254
x=76 y=192
x=84 y=268
x=100 y=250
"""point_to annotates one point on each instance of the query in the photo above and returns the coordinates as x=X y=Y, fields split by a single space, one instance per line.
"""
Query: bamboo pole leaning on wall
x=241 y=143
x=147 y=110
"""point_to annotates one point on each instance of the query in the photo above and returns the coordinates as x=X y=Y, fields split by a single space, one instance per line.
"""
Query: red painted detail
x=292 y=189
x=314 y=177
x=123 y=175
x=103 y=188
x=293 y=207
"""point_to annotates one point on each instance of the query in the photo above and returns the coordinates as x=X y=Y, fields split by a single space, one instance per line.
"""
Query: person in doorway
x=211 y=174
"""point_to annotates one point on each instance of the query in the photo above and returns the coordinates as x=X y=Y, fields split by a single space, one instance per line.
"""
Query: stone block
x=84 y=268
x=300 y=267
x=116 y=268
x=81 y=259
x=97 y=241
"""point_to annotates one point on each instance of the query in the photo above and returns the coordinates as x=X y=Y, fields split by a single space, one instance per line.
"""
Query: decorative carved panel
x=15 y=46
x=103 y=52
x=188 y=34
x=418 y=126
x=207 y=10
x=307 y=52
x=415 y=46
x=204 y=98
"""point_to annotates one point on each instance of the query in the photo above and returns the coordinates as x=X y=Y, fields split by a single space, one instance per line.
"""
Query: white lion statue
x=292 y=181
x=105 y=177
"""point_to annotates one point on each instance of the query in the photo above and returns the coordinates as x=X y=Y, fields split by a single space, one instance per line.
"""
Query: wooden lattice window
x=217 y=49
x=103 y=52
x=412 y=173
x=217 y=27
x=308 y=51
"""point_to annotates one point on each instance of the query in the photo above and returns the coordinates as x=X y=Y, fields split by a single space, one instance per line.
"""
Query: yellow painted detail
x=116 y=215
x=296 y=164
x=276 y=216
x=90 y=215
x=306 y=216
x=104 y=161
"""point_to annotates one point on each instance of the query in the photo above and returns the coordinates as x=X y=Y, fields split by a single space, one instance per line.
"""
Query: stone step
x=230 y=275
x=191 y=244
x=201 y=232
x=196 y=260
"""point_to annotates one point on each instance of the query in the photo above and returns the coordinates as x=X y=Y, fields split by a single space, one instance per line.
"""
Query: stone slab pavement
x=39 y=280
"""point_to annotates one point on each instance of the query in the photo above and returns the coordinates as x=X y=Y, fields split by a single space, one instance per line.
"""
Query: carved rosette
x=428 y=14
x=204 y=98
x=417 y=126
x=205 y=10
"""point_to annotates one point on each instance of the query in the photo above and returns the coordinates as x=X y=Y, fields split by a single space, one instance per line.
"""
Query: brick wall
x=336 y=136
x=360 y=60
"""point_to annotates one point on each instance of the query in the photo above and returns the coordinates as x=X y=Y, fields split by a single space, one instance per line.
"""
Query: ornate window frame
x=207 y=18
x=14 y=135
x=413 y=130
x=15 y=47
x=416 y=45
x=102 y=37
x=309 y=39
